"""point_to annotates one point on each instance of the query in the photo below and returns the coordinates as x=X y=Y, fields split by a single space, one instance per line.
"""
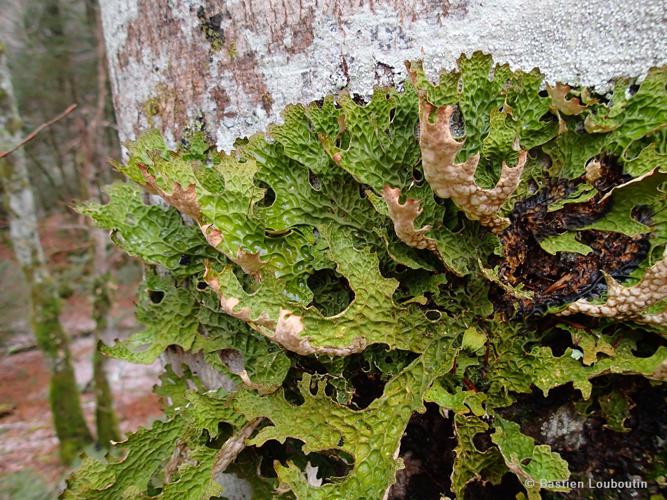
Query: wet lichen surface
x=457 y=258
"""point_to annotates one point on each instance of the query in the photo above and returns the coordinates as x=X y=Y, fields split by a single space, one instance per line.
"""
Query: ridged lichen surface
x=430 y=242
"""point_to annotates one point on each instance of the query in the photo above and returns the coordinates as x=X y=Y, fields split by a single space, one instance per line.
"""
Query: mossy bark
x=90 y=162
x=105 y=418
x=68 y=420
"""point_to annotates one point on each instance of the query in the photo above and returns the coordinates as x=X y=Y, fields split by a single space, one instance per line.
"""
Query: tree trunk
x=68 y=418
x=233 y=66
x=90 y=162
x=106 y=421
x=237 y=64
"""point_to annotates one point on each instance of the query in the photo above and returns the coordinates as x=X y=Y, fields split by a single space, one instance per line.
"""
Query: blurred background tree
x=55 y=52
x=68 y=420
x=54 y=58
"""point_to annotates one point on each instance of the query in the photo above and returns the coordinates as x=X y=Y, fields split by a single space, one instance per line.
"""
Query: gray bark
x=238 y=63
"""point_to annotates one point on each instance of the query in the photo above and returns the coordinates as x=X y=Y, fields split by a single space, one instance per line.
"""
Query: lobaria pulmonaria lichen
x=364 y=259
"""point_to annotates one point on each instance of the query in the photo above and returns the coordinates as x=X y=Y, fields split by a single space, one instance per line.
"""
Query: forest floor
x=29 y=464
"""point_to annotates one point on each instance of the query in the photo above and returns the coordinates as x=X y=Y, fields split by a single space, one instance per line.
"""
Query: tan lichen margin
x=403 y=216
x=250 y=263
x=449 y=179
x=630 y=302
x=184 y=200
x=560 y=102
x=286 y=331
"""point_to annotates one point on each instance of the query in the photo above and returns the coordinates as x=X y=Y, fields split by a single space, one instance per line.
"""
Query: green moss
x=68 y=420
x=152 y=107
x=211 y=27
x=71 y=428
x=106 y=421
x=105 y=417
x=232 y=50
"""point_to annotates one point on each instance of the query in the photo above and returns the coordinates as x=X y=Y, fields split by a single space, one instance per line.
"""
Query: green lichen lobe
x=301 y=265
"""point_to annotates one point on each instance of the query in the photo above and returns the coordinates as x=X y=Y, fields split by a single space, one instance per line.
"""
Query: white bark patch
x=276 y=53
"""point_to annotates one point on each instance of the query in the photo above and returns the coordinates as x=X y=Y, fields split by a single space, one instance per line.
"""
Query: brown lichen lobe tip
x=250 y=262
x=630 y=302
x=558 y=94
x=211 y=280
x=213 y=235
x=403 y=216
x=449 y=179
x=287 y=330
x=184 y=200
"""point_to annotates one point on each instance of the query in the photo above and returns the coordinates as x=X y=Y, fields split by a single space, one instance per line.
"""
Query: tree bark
x=90 y=162
x=68 y=420
x=235 y=65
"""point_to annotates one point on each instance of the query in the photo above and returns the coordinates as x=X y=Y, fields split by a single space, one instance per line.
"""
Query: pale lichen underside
x=457 y=180
x=403 y=216
x=630 y=302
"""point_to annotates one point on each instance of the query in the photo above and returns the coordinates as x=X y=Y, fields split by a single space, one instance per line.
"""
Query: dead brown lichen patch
x=251 y=263
x=212 y=235
x=184 y=200
x=555 y=279
x=560 y=102
x=286 y=330
x=630 y=302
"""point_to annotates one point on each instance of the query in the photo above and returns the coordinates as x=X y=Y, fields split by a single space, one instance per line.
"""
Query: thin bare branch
x=234 y=445
x=34 y=133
